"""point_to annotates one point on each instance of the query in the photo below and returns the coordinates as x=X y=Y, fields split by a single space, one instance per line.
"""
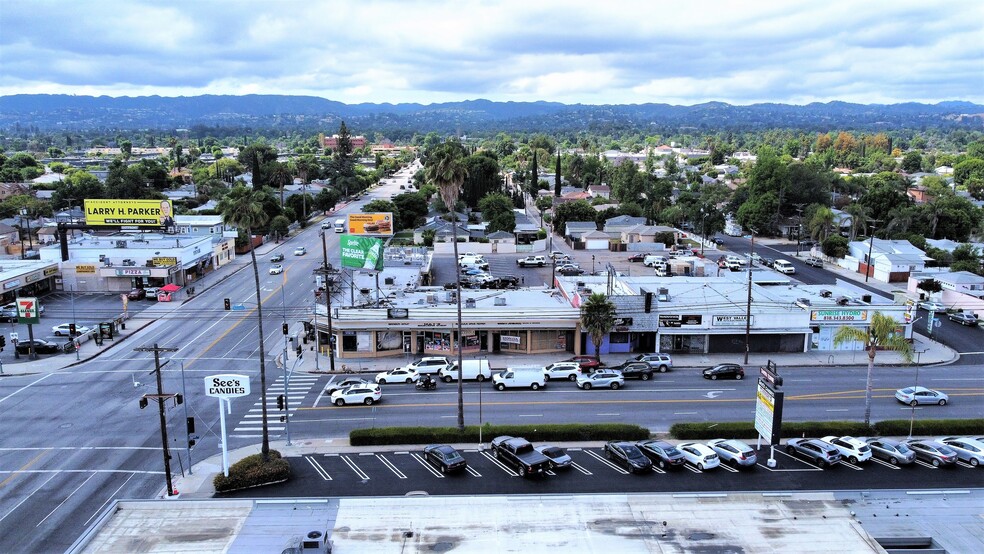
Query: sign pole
x=225 y=445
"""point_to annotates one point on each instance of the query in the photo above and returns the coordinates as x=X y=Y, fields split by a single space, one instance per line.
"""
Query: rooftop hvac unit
x=826 y=293
x=432 y=299
x=450 y=296
x=469 y=302
x=388 y=280
x=500 y=301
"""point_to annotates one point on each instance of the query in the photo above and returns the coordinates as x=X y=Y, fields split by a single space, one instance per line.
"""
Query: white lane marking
x=108 y=499
x=605 y=461
x=25 y=499
x=62 y=503
x=15 y=448
x=838 y=410
x=884 y=463
x=684 y=413
x=608 y=414
x=530 y=415
x=581 y=469
x=472 y=471
x=318 y=467
x=25 y=387
x=500 y=464
x=392 y=467
x=420 y=459
x=727 y=468
x=924 y=464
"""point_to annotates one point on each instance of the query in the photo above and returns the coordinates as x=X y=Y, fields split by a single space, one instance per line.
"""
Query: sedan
x=734 y=452
x=628 y=456
x=821 y=452
x=445 y=457
x=699 y=455
x=662 y=453
x=277 y=258
x=357 y=394
x=932 y=306
x=570 y=270
x=41 y=346
x=921 y=395
x=854 y=450
x=276 y=269
x=344 y=383
x=638 y=257
x=562 y=370
x=588 y=363
x=63 y=329
x=892 y=451
x=967 y=449
x=300 y=251
x=398 y=375
x=558 y=458
x=601 y=378
x=724 y=371
x=933 y=452
x=136 y=294
x=963 y=318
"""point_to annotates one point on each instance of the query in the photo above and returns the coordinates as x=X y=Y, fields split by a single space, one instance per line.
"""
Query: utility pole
x=160 y=398
x=799 y=226
x=329 y=272
x=748 y=304
x=871 y=244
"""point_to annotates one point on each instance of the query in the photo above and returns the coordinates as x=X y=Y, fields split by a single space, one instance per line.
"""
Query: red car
x=588 y=363
x=638 y=257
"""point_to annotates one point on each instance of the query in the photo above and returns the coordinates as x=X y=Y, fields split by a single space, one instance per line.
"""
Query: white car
x=430 y=365
x=300 y=251
x=398 y=375
x=699 y=455
x=562 y=370
x=62 y=329
x=276 y=269
x=855 y=450
x=968 y=450
x=932 y=307
x=921 y=395
x=357 y=394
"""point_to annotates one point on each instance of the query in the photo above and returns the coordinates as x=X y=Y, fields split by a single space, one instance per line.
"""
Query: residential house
x=600 y=191
x=615 y=225
x=595 y=240
x=642 y=233
x=574 y=230
x=440 y=227
x=962 y=290
x=889 y=261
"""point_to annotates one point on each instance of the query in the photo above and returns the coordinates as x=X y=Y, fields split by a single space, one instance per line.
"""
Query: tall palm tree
x=597 y=318
x=859 y=219
x=243 y=208
x=281 y=176
x=821 y=223
x=881 y=333
x=446 y=169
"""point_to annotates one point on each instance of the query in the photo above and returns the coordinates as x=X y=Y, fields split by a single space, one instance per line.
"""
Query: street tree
x=597 y=318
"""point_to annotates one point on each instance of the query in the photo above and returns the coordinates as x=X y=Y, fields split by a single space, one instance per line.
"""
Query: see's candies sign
x=227 y=385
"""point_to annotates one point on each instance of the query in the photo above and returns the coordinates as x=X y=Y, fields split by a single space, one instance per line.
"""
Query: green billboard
x=362 y=252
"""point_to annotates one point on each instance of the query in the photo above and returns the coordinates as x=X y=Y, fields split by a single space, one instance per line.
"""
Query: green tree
x=326 y=200
x=970 y=168
x=597 y=318
x=483 y=177
x=821 y=223
x=447 y=171
x=279 y=176
x=497 y=209
x=557 y=176
x=881 y=334
x=834 y=246
x=912 y=162
x=578 y=210
x=243 y=208
x=280 y=226
x=412 y=209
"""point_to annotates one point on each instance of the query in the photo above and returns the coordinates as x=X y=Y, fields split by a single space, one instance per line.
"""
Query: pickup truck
x=538 y=261
x=518 y=453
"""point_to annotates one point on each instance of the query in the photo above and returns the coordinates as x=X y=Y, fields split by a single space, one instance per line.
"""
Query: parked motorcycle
x=426 y=384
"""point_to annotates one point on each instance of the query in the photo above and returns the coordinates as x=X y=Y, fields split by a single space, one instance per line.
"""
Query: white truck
x=532 y=261
x=478 y=370
x=519 y=377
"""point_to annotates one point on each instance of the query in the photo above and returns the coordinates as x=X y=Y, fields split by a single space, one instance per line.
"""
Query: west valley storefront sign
x=731 y=320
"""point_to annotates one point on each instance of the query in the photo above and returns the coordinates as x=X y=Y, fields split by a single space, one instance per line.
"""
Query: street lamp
x=703 y=231
x=871 y=244
x=23 y=212
x=331 y=335
x=748 y=305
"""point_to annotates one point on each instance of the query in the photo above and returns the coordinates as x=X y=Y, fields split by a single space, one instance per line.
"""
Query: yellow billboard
x=139 y=213
x=371 y=224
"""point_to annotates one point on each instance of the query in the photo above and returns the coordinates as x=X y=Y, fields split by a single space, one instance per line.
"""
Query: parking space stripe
x=420 y=459
x=728 y=468
x=318 y=467
x=358 y=471
x=692 y=468
x=884 y=463
x=472 y=471
x=924 y=464
x=605 y=461
x=390 y=465
x=500 y=464
x=579 y=468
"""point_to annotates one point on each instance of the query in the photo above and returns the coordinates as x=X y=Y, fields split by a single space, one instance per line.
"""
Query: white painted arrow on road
x=714 y=393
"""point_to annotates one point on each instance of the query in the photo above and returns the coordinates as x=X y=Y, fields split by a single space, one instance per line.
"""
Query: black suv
x=635 y=370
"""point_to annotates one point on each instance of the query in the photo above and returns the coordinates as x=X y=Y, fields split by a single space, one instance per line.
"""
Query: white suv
x=357 y=394
x=562 y=370
x=854 y=450
x=657 y=361
x=601 y=378
x=431 y=365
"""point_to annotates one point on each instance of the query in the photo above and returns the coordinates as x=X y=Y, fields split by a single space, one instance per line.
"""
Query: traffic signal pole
x=160 y=397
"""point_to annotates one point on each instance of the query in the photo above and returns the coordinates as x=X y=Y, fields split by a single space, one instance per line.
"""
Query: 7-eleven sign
x=27 y=310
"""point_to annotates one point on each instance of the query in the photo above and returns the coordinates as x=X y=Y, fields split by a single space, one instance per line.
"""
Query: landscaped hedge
x=252 y=472
x=533 y=433
x=890 y=428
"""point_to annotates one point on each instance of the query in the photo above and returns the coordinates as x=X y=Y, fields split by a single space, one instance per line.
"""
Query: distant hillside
x=64 y=112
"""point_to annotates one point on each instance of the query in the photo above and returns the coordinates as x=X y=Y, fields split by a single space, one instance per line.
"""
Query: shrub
x=890 y=428
x=252 y=472
x=533 y=433
x=900 y=427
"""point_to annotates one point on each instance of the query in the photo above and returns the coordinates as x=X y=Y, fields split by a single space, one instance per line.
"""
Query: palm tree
x=859 y=219
x=881 y=333
x=243 y=208
x=597 y=318
x=281 y=175
x=821 y=223
x=446 y=169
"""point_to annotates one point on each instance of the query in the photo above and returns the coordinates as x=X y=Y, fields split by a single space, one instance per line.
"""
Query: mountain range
x=44 y=112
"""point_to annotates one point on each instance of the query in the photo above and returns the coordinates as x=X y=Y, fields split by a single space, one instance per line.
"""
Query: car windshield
x=946 y=450
x=902 y=448
x=632 y=453
x=553 y=452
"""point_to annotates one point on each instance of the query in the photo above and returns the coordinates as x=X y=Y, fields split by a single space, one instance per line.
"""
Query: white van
x=340 y=225
x=473 y=369
x=652 y=259
x=473 y=262
x=662 y=270
x=783 y=266
x=519 y=377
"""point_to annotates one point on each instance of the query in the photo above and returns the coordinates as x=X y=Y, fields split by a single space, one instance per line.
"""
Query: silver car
x=558 y=458
x=892 y=451
x=601 y=378
x=967 y=449
x=734 y=452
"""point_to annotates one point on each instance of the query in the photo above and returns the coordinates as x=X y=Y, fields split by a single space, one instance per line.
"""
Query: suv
x=634 y=370
x=816 y=450
x=430 y=365
x=601 y=378
x=562 y=370
x=531 y=261
x=662 y=362
x=814 y=262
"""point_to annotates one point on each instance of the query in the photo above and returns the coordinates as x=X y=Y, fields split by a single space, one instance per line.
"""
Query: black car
x=724 y=371
x=508 y=280
x=635 y=370
x=570 y=270
x=662 y=453
x=628 y=456
x=445 y=457
x=41 y=346
x=136 y=294
x=718 y=241
x=638 y=257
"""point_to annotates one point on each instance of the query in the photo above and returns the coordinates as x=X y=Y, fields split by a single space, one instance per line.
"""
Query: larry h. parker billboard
x=130 y=213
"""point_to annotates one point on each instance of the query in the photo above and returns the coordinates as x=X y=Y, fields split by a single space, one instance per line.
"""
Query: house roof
x=625 y=220
x=581 y=226
x=960 y=278
x=595 y=235
x=642 y=230
x=501 y=235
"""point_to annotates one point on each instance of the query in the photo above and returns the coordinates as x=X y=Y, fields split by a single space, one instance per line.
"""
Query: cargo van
x=652 y=259
x=478 y=370
x=662 y=270
x=473 y=262
x=783 y=266
x=519 y=377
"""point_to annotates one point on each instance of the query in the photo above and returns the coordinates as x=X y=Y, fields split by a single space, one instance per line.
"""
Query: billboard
x=138 y=213
x=362 y=252
x=371 y=224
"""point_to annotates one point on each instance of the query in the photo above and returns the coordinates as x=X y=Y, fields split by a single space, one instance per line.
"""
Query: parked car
x=588 y=363
x=558 y=457
x=601 y=378
x=724 y=371
x=734 y=452
x=344 y=383
x=933 y=452
x=638 y=257
x=357 y=394
x=398 y=375
x=921 y=395
x=559 y=256
x=562 y=370
x=700 y=455
x=658 y=361
x=151 y=294
x=718 y=241
x=968 y=450
x=136 y=294
x=277 y=258
x=628 y=456
x=768 y=262
x=963 y=318
x=445 y=457
x=822 y=453
x=570 y=270
x=662 y=453
x=429 y=364
x=892 y=451
x=520 y=454
x=932 y=306
x=508 y=280
x=300 y=251
x=532 y=261
x=855 y=450
x=41 y=346
x=276 y=269
x=634 y=370
x=814 y=262
x=63 y=329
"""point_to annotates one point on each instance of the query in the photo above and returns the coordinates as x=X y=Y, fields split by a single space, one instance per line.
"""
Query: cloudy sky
x=571 y=51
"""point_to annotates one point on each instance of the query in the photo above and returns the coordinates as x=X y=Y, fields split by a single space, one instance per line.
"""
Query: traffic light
x=3 y=342
x=191 y=442
x=178 y=399
x=228 y=304
x=191 y=425
x=286 y=330
x=143 y=402
x=281 y=401
x=71 y=329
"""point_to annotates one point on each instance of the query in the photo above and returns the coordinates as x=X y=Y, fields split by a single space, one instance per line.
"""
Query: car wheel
x=913 y=403
x=522 y=471
x=500 y=386
x=409 y=380
x=339 y=402
x=382 y=381
x=447 y=379
x=821 y=463
x=572 y=378
x=790 y=450
x=495 y=453
x=480 y=378
x=608 y=454
x=646 y=376
x=974 y=462
x=661 y=464
x=942 y=402
x=700 y=467
x=57 y=333
x=546 y=378
x=444 y=469
x=853 y=459
x=739 y=377
x=586 y=386
x=535 y=386
x=714 y=377
x=936 y=463
x=614 y=386
x=663 y=368
x=893 y=460
x=368 y=401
